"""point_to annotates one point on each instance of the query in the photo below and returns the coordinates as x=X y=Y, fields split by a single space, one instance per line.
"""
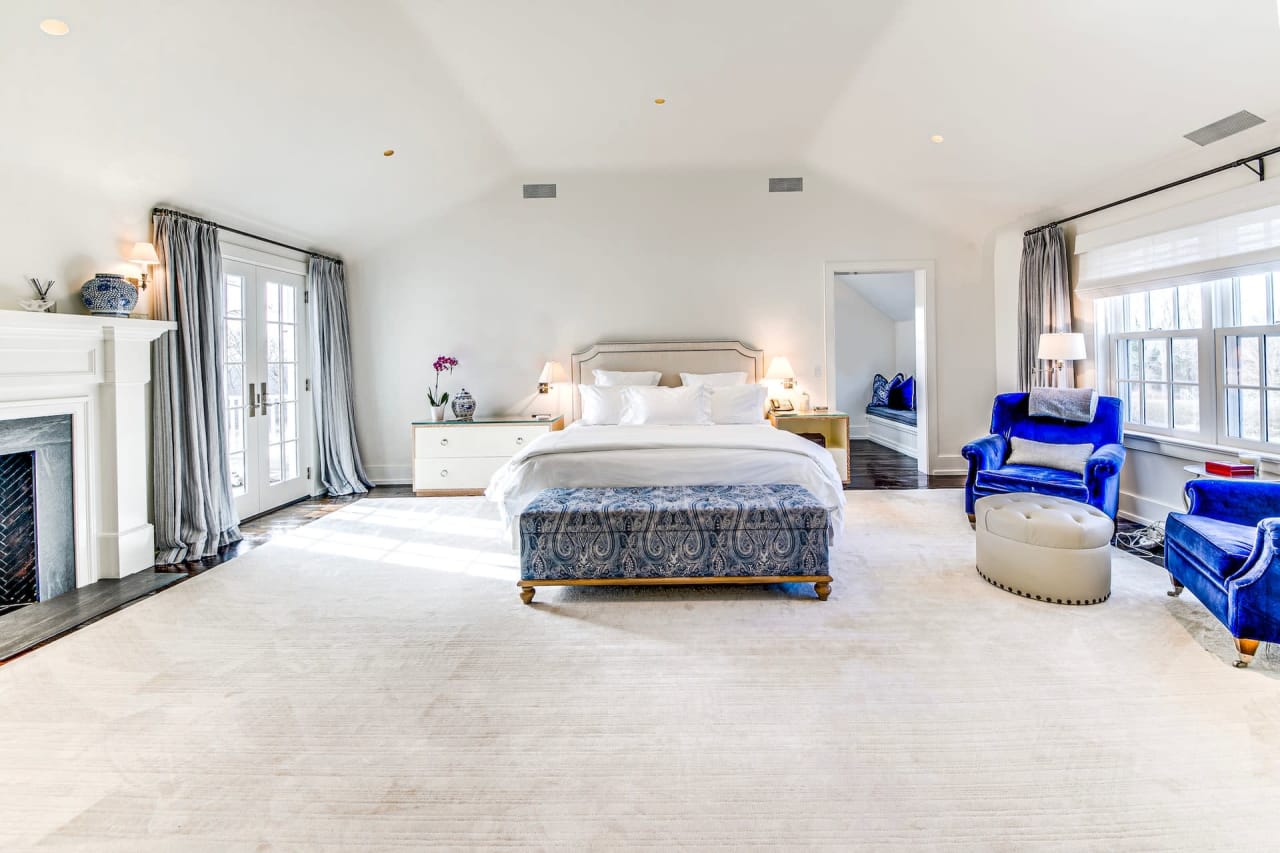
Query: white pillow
x=738 y=404
x=714 y=379
x=652 y=405
x=626 y=377
x=600 y=405
x=1064 y=457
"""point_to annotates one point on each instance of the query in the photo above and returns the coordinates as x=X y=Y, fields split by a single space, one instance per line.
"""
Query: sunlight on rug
x=372 y=680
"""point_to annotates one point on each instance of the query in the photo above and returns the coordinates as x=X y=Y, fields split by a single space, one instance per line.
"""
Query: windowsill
x=1191 y=451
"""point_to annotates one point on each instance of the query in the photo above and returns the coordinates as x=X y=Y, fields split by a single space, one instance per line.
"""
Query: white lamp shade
x=551 y=372
x=1061 y=346
x=780 y=368
x=144 y=254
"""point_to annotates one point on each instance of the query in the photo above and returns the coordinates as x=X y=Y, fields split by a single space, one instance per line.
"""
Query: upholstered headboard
x=670 y=357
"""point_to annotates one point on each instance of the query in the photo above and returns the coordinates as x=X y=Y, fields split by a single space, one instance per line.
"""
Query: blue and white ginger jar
x=464 y=406
x=108 y=295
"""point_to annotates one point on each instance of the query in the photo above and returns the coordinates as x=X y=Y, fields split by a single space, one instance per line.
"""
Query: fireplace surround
x=90 y=375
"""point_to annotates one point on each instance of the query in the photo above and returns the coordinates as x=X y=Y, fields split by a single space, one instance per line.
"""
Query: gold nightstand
x=833 y=427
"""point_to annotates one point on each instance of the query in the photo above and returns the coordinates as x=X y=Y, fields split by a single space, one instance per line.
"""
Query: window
x=1200 y=361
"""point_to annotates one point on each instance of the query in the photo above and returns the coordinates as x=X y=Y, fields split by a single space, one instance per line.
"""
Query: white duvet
x=587 y=456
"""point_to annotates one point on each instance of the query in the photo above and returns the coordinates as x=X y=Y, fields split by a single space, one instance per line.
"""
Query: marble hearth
x=73 y=389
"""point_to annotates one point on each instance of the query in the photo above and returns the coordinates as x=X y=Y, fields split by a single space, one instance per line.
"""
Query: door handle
x=253 y=405
x=262 y=396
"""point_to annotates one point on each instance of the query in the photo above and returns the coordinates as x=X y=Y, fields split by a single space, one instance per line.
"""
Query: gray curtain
x=194 y=511
x=340 y=468
x=1044 y=295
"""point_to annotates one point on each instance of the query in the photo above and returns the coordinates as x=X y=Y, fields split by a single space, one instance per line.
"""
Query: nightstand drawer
x=454 y=473
x=472 y=441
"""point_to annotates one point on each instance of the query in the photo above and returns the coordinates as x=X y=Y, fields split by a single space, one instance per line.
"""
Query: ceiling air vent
x=539 y=190
x=786 y=185
x=1224 y=127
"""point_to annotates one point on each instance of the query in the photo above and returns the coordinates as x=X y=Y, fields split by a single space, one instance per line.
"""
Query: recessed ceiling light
x=54 y=27
x=937 y=139
x=659 y=101
x=388 y=152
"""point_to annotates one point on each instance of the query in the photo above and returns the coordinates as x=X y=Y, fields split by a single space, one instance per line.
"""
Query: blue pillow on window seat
x=879 y=391
x=896 y=386
x=907 y=393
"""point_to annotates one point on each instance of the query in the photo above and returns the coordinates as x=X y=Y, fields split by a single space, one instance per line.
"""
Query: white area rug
x=373 y=681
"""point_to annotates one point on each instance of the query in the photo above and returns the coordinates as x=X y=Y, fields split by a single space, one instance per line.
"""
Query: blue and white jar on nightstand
x=107 y=295
x=464 y=406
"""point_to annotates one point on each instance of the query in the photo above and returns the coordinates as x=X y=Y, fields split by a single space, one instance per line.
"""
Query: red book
x=1230 y=469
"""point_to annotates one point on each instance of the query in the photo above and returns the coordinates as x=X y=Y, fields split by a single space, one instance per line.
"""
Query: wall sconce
x=780 y=368
x=1060 y=347
x=144 y=255
x=551 y=372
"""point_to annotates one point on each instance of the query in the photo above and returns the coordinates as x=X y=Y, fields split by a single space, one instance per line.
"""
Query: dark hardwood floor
x=876 y=467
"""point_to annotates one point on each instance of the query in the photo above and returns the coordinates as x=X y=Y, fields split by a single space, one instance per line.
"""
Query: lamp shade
x=1061 y=346
x=551 y=372
x=144 y=254
x=780 y=368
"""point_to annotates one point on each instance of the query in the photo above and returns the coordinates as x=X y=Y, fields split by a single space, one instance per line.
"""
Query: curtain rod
x=194 y=218
x=1260 y=170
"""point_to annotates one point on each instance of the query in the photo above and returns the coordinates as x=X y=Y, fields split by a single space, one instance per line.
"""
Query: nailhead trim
x=1042 y=598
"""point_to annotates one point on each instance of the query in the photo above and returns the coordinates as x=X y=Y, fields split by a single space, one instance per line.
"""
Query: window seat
x=893 y=428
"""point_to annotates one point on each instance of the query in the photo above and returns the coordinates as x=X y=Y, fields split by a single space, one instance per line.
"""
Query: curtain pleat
x=193 y=507
x=341 y=470
x=1044 y=295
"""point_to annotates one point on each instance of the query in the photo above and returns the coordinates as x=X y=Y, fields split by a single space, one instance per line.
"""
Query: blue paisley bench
x=675 y=535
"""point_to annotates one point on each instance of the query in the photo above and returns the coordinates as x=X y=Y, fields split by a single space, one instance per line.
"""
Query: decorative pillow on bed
x=652 y=405
x=1064 y=457
x=601 y=405
x=879 y=391
x=614 y=378
x=902 y=395
x=738 y=404
x=714 y=379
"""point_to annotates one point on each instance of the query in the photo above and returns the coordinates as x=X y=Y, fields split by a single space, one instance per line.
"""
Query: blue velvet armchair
x=1099 y=486
x=1226 y=550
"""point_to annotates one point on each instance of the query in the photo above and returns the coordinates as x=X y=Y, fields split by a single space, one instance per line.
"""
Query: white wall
x=904 y=348
x=1153 y=477
x=54 y=228
x=865 y=346
x=506 y=283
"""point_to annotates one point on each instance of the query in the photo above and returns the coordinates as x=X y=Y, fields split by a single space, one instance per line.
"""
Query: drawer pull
x=444 y=442
x=444 y=472
x=520 y=439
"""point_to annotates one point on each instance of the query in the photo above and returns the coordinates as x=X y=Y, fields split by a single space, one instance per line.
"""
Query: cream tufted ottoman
x=1049 y=549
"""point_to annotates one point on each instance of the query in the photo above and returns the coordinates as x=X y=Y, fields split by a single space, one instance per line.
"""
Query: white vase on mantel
x=437 y=414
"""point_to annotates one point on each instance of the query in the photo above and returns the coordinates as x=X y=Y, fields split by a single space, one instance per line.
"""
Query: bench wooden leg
x=823 y=589
x=526 y=594
x=1245 y=649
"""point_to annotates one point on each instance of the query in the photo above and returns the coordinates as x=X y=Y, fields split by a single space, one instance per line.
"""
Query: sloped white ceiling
x=893 y=294
x=274 y=113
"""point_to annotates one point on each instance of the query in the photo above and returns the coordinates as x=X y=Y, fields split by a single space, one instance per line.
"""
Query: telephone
x=781 y=405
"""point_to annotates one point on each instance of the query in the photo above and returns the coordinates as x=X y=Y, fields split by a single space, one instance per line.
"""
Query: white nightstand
x=459 y=457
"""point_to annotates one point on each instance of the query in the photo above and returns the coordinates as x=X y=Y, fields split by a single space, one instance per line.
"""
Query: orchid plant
x=442 y=364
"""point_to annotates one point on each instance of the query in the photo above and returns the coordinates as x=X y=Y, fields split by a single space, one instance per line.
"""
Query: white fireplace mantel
x=96 y=370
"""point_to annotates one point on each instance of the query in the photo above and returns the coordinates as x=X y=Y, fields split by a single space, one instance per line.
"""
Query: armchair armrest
x=1235 y=501
x=1254 y=591
x=985 y=453
x=1105 y=462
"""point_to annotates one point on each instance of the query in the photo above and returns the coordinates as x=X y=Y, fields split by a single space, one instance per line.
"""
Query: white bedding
x=587 y=456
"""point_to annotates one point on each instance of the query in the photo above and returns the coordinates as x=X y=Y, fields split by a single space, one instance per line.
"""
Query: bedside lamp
x=780 y=368
x=551 y=372
x=1060 y=347
x=144 y=255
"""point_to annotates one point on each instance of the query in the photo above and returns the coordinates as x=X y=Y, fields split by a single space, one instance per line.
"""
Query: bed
x=618 y=456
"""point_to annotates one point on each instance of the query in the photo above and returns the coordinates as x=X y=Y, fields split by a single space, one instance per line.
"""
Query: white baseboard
x=1144 y=510
x=389 y=475
x=857 y=432
x=950 y=464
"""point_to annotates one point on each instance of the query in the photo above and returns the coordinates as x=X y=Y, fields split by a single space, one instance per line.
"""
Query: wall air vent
x=539 y=190
x=786 y=185
x=1224 y=127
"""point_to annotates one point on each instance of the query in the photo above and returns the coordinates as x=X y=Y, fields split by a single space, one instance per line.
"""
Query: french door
x=269 y=419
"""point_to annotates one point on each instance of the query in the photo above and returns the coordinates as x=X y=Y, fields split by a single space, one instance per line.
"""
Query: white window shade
x=1183 y=255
